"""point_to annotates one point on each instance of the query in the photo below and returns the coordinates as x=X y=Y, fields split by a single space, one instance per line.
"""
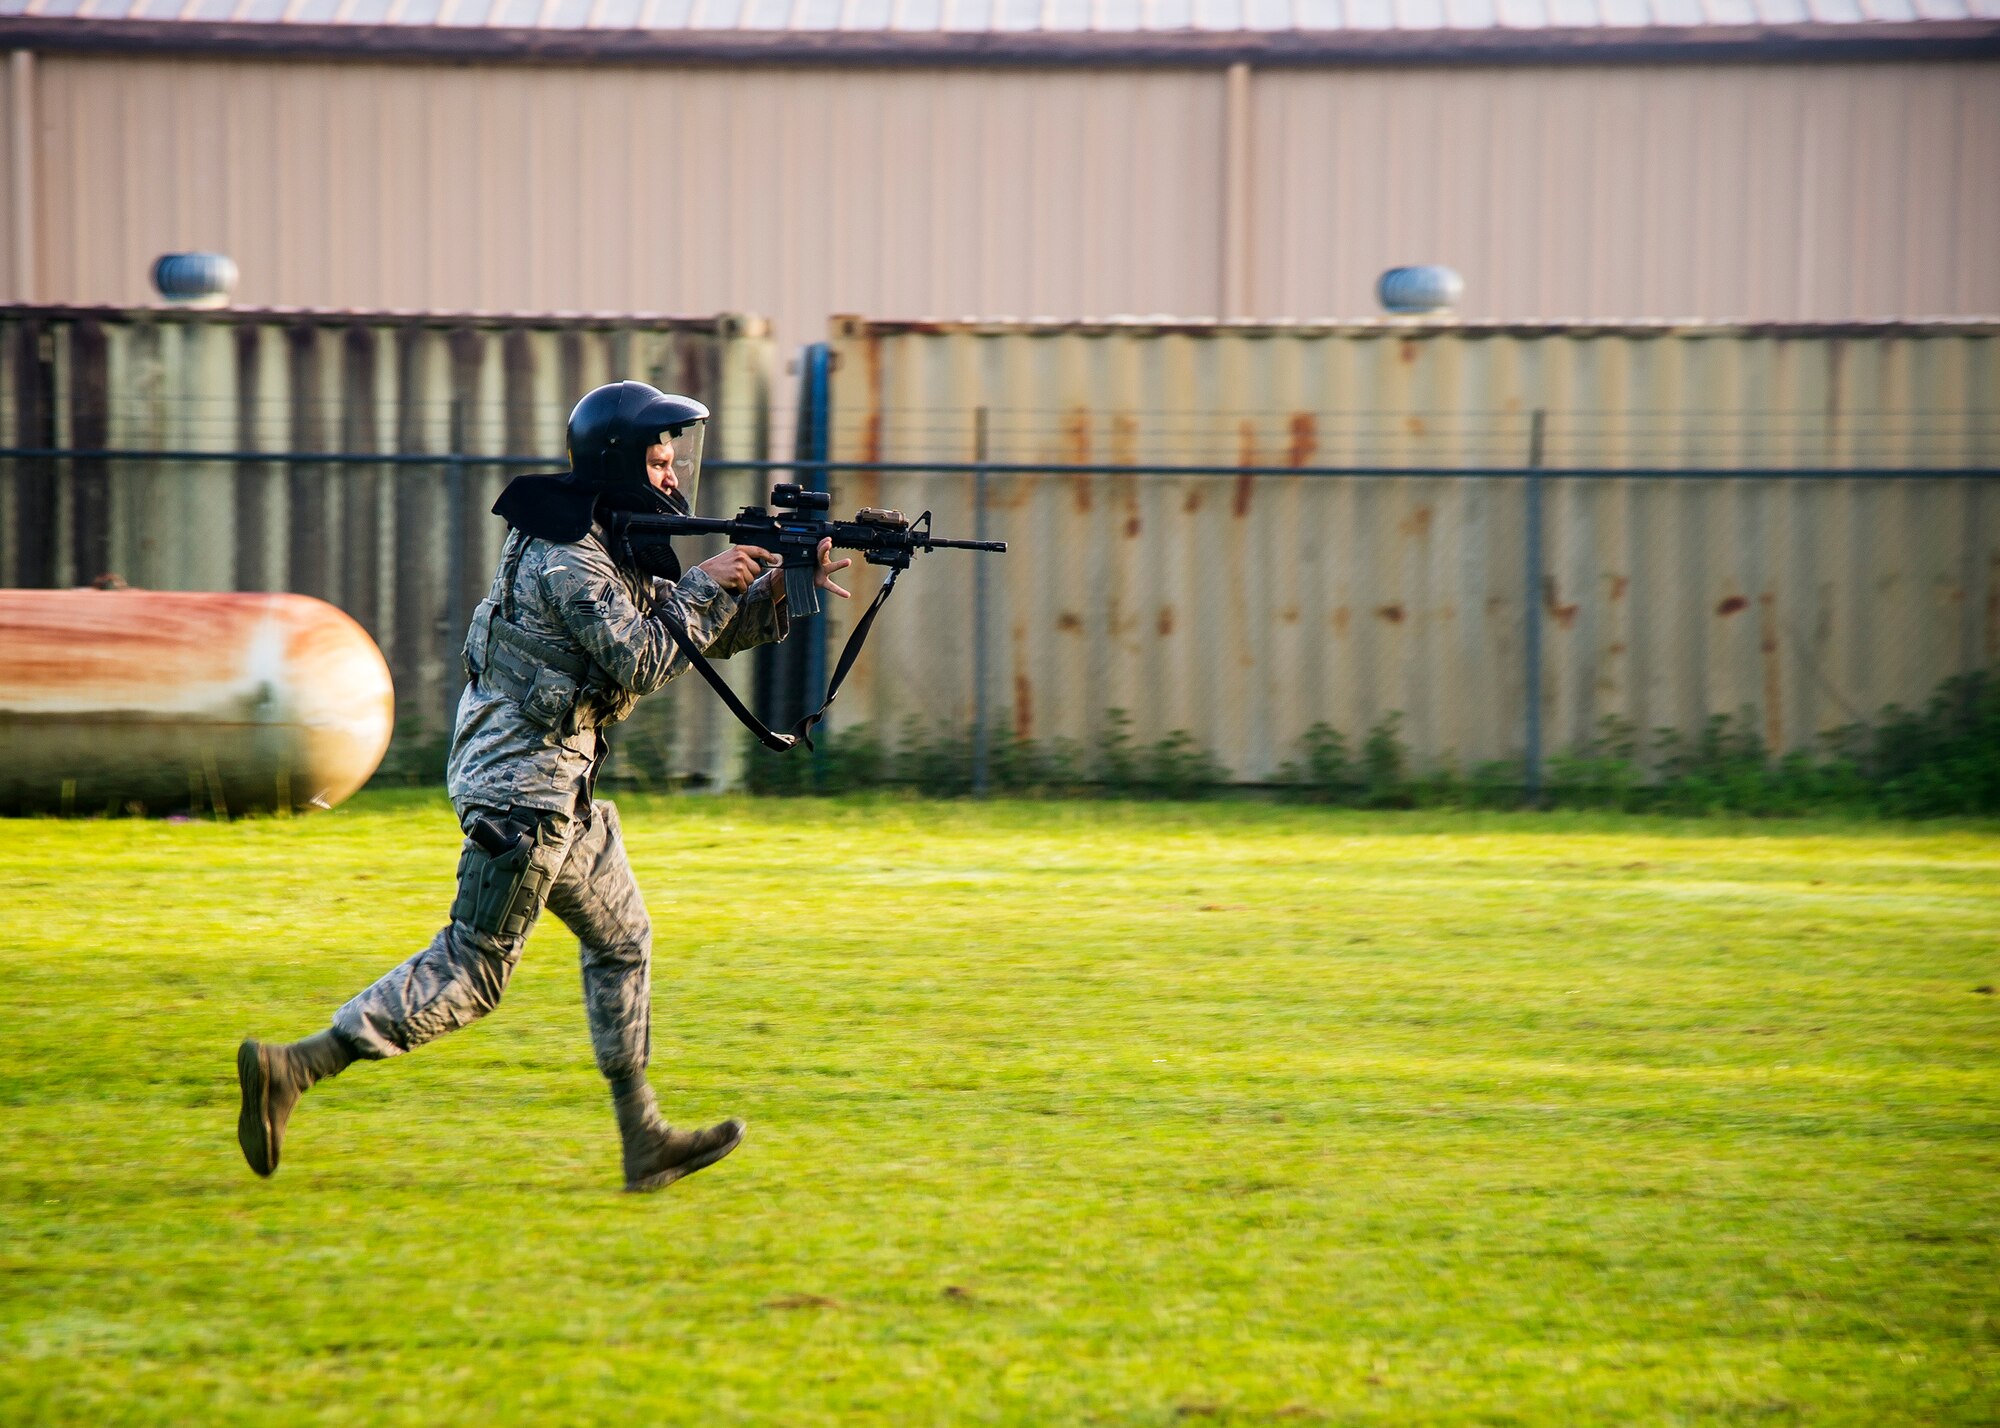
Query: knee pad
x=505 y=872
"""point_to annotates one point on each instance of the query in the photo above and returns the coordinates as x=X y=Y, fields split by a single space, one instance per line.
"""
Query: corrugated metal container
x=1246 y=608
x=407 y=549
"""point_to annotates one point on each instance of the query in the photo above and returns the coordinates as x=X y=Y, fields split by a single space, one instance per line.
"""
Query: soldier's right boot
x=272 y=1079
x=656 y=1155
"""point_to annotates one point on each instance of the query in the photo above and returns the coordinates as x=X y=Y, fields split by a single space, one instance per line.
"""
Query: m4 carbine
x=792 y=530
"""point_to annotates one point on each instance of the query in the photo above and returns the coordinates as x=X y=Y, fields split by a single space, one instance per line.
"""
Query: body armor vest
x=557 y=688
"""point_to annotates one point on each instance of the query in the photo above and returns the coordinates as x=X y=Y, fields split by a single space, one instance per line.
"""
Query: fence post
x=455 y=617
x=1532 y=651
x=981 y=737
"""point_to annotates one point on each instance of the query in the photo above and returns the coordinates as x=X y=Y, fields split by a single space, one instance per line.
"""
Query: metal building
x=1598 y=159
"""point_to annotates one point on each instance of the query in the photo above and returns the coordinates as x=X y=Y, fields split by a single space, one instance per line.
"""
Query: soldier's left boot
x=656 y=1155
x=272 y=1079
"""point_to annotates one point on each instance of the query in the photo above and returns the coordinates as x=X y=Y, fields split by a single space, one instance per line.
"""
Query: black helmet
x=610 y=432
x=612 y=428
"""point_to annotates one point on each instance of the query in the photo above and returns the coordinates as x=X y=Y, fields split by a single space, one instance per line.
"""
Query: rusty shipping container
x=406 y=547
x=1244 y=609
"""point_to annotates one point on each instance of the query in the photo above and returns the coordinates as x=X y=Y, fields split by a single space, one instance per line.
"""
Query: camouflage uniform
x=533 y=761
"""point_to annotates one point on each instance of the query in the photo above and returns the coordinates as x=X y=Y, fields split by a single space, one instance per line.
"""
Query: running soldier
x=568 y=639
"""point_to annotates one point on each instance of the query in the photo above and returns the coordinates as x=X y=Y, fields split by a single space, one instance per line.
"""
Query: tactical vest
x=556 y=687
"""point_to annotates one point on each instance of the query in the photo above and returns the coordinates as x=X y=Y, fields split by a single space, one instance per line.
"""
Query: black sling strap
x=510 y=570
x=801 y=731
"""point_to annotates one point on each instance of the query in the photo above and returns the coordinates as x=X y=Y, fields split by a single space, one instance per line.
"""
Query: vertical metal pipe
x=21 y=126
x=1532 y=759
x=982 y=741
x=819 y=447
x=1236 y=192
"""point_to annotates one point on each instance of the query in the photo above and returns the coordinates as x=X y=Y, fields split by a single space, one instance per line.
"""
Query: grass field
x=1059 y=1113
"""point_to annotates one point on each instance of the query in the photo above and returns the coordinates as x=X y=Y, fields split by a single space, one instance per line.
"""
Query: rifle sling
x=801 y=731
x=848 y=654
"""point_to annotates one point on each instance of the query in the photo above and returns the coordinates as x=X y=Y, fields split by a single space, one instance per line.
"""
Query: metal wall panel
x=1741 y=191
x=406 y=549
x=1788 y=193
x=448 y=188
x=1246 y=608
x=10 y=181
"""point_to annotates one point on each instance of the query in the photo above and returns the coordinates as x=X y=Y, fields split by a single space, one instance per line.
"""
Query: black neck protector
x=558 y=507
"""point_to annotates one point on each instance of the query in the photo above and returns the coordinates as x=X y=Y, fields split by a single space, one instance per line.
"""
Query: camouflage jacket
x=574 y=598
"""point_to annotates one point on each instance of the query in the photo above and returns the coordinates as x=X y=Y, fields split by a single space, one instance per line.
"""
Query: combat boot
x=273 y=1078
x=656 y=1155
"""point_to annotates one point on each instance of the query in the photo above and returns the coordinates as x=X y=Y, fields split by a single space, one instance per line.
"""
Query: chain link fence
x=1501 y=626
x=1503 y=632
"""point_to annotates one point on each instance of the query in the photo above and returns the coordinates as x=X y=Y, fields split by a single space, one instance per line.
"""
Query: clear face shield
x=678 y=476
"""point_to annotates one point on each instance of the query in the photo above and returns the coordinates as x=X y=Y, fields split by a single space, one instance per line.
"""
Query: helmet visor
x=673 y=463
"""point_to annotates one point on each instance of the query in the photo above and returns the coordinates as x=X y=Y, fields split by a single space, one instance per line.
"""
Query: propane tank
x=163 y=701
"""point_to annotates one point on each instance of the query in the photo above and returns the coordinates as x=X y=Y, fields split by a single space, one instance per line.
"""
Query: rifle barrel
x=941 y=544
x=846 y=532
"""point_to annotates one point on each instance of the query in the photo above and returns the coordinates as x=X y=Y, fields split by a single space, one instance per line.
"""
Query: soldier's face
x=660 y=467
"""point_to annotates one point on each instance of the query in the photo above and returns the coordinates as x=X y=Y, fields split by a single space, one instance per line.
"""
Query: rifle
x=792 y=531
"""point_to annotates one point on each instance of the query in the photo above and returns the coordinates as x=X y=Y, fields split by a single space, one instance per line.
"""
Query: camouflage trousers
x=461 y=975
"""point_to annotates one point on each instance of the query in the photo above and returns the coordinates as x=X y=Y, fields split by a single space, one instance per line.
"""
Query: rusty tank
x=157 y=701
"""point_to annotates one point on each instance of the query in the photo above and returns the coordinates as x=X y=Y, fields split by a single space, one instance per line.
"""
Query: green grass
x=1059 y=1114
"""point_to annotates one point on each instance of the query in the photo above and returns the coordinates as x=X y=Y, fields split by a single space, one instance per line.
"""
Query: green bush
x=1325 y=772
x=1940 y=762
x=843 y=762
x=1603 y=772
x=940 y=760
x=1943 y=760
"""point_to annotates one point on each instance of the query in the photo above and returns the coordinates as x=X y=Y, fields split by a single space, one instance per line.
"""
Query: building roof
x=1263 y=30
x=1020 y=16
